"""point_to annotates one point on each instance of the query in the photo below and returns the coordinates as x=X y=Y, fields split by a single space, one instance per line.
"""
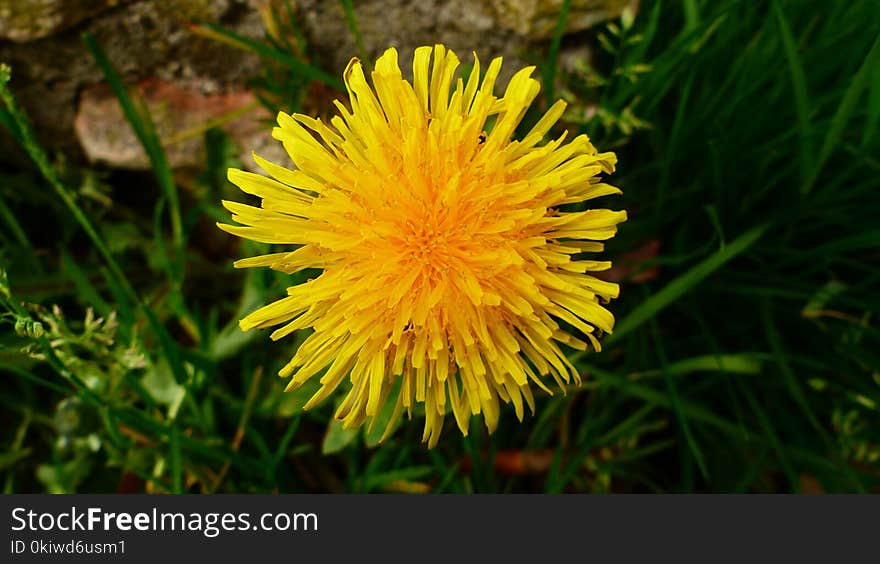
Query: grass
x=744 y=356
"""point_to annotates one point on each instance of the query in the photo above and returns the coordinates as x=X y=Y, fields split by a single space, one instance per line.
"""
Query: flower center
x=428 y=242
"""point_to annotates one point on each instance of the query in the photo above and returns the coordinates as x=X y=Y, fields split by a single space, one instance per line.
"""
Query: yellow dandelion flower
x=450 y=275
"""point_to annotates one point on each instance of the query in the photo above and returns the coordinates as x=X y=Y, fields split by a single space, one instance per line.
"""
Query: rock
x=181 y=116
x=509 y=28
x=143 y=39
x=25 y=20
x=536 y=19
x=189 y=79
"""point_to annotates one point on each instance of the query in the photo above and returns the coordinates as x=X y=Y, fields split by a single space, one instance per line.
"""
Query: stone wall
x=189 y=80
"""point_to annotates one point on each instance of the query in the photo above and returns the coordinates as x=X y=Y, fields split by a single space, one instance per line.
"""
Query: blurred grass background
x=745 y=356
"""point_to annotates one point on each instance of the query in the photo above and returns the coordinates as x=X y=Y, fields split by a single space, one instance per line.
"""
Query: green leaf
x=162 y=386
x=376 y=429
x=291 y=403
x=336 y=438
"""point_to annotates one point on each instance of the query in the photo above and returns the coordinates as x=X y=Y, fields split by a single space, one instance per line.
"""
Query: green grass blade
x=873 y=119
x=7 y=121
x=844 y=113
x=658 y=398
x=281 y=451
x=122 y=303
x=691 y=15
x=14 y=226
x=672 y=149
x=799 y=86
x=678 y=287
x=675 y=403
x=144 y=128
x=40 y=381
x=169 y=347
x=638 y=53
x=551 y=65
x=38 y=155
x=378 y=480
x=174 y=459
x=772 y=436
x=742 y=363
x=351 y=20
x=446 y=471
x=794 y=386
x=84 y=286
x=307 y=71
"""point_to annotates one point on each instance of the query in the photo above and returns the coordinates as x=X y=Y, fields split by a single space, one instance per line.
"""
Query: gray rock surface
x=150 y=42
x=510 y=28
x=25 y=20
x=146 y=39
